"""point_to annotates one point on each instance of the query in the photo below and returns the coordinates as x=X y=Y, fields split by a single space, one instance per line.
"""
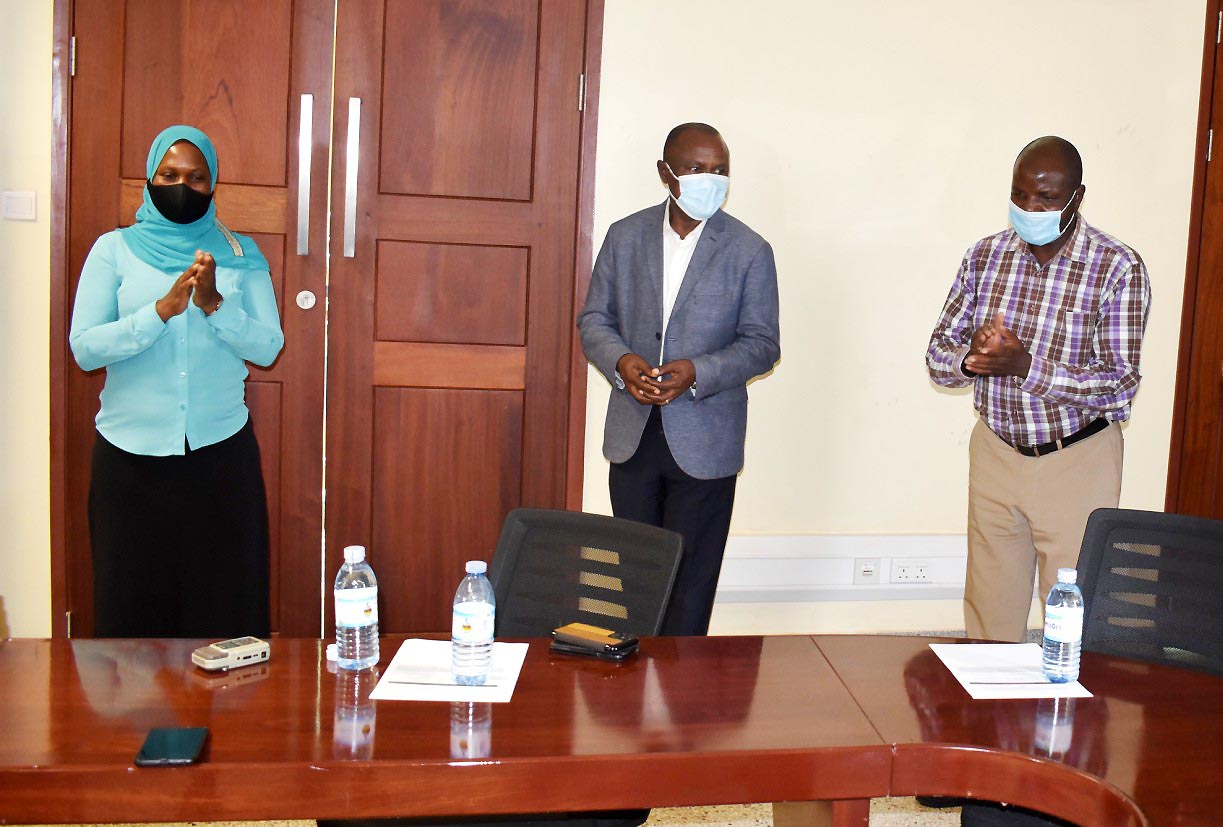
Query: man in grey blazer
x=681 y=314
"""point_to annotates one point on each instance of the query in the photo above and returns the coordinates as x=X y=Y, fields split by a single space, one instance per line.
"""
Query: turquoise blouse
x=166 y=381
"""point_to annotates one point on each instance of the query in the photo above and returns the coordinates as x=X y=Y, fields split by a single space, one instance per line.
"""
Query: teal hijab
x=161 y=243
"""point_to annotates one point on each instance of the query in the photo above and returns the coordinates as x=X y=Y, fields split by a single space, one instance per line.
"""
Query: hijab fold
x=170 y=247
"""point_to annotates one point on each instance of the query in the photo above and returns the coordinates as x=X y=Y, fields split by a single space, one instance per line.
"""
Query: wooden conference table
x=835 y=720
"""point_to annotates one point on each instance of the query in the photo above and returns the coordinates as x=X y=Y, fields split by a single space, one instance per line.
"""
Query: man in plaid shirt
x=1045 y=321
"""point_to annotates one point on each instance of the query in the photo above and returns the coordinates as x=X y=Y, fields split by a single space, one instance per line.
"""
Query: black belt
x=1065 y=442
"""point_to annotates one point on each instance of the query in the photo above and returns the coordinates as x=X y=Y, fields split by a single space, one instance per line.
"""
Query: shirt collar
x=1074 y=248
x=667 y=228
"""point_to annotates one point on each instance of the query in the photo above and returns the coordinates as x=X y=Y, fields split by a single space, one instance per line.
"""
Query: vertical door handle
x=305 y=131
x=350 y=177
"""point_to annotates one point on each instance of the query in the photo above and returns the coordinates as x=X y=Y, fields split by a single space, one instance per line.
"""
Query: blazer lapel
x=701 y=256
x=653 y=255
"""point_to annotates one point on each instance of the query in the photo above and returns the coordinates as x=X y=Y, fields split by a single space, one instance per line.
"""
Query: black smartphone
x=584 y=639
x=603 y=654
x=172 y=746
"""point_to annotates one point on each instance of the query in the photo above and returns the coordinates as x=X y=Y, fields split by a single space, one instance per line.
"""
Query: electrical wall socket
x=866 y=571
x=906 y=570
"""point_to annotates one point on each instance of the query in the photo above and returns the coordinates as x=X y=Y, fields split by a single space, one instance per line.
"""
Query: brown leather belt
x=1065 y=442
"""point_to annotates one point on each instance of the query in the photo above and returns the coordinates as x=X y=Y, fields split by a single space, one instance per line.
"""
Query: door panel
x=248 y=209
x=399 y=364
x=458 y=98
x=466 y=446
x=236 y=70
x=273 y=248
x=265 y=401
x=457 y=293
x=213 y=66
x=451 y=324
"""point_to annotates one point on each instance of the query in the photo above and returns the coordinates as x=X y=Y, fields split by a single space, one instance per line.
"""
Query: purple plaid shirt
x=1081 y=317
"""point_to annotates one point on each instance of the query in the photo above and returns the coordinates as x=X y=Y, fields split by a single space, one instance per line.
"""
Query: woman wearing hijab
x=173 y=307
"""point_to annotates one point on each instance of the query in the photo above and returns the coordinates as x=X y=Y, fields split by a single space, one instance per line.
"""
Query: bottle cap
x=354 y=554
x=333 y=651
x=476 y=567
x=1067 y=575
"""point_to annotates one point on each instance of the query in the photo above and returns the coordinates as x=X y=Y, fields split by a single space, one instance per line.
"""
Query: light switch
x=18 y=205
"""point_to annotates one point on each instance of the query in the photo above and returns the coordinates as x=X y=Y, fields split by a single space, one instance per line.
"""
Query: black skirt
x=180 y=543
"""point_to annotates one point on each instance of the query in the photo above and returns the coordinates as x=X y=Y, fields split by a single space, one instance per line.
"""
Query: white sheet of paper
x=1003 y=670
x=420 y=671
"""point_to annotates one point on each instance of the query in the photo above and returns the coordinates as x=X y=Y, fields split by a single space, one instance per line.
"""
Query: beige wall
x=872 y=143
x=25 y=164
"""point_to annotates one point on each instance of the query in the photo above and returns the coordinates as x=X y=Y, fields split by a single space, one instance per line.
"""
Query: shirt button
x=182 y=375
x=182 y=341
x=182 y=407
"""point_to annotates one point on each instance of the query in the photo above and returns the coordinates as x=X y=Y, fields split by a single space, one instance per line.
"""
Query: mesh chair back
x=556 y=567
x=1153 y=587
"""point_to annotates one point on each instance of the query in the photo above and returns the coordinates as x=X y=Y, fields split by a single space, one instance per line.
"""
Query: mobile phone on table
x=584 y=639
x=172 y=746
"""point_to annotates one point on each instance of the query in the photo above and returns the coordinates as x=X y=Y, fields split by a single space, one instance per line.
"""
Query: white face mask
x=701 y=194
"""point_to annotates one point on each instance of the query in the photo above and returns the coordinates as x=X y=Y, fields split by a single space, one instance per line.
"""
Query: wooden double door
x=411 y=170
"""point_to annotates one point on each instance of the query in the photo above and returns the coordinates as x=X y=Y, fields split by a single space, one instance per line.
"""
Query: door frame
x=1196 y=209
x=61 y=122
x=61 y=116
x=583 y=256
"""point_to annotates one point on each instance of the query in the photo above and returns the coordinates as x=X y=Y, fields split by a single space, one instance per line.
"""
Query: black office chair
x=556 y=567
x=1151 y=583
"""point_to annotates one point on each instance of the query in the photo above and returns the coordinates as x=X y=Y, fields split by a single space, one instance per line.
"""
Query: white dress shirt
x=676 y=256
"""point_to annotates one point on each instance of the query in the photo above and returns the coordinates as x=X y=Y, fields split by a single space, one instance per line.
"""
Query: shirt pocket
x=1072 y=342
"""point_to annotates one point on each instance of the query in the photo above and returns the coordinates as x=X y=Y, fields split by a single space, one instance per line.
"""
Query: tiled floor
x=885 y=812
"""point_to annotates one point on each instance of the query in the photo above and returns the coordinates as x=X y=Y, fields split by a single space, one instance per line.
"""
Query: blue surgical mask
x=1038 y=228
x=700 y=194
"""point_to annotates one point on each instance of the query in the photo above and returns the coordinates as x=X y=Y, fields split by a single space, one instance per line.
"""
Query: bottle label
x=356 y=607
x=473 y=623
x=1064 y=624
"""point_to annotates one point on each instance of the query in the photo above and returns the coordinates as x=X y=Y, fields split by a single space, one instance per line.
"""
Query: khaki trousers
x=1028 y=515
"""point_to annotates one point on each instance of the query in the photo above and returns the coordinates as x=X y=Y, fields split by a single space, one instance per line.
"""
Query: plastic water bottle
x=471 y=631
x=356 y=611
x=355 y=715
x=1063 y=628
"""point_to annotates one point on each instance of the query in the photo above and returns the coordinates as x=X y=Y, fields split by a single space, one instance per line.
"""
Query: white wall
x=872 y=143
x=25 y=164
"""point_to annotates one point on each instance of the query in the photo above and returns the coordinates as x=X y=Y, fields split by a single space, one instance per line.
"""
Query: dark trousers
x=651 y=488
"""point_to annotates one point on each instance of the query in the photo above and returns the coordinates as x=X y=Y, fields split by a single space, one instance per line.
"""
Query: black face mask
x=178 y=202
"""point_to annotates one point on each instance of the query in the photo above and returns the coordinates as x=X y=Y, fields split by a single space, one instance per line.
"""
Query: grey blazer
x=724 y=320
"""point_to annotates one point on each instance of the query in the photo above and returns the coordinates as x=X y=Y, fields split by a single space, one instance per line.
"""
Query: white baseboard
x=818 y=567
